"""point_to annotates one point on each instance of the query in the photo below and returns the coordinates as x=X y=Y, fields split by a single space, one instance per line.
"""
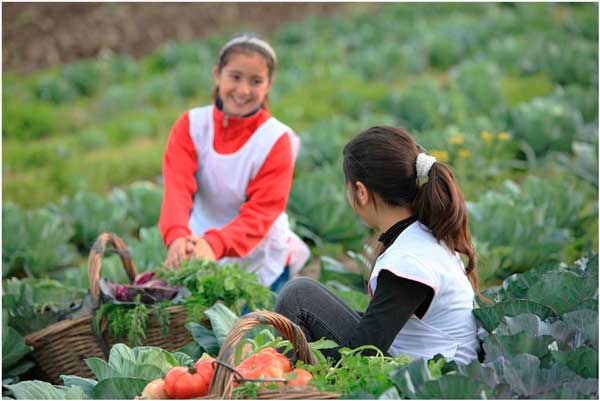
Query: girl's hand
x=176 y=253
x=197 y=247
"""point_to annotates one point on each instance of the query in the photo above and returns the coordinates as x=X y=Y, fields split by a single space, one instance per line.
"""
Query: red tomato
x=302 y=377
x=285 y=364
x=182 y=383
x=204 y=366
x=266 y=364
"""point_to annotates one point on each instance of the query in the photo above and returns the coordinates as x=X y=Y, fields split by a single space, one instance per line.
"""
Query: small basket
x=221 y=385
x=62 y=347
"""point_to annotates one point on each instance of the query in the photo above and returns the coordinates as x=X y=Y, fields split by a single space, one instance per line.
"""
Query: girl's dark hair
x=384 y=160
x=246 y=47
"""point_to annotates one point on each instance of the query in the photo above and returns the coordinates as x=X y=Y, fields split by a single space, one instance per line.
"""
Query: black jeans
x=318 y=312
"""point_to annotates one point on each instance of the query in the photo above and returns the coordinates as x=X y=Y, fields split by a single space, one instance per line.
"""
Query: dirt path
x=36 y=35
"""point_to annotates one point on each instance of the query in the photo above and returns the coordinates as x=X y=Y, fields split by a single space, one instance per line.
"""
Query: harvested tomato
x=302 y=377
x=204 y=366
x=284 y=362
x=266 y=364
x=182 y=383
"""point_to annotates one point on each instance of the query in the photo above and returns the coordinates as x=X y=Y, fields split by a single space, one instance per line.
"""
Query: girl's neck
x=390 y=215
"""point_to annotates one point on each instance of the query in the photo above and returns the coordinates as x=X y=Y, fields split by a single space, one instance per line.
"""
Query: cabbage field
x=506 y=94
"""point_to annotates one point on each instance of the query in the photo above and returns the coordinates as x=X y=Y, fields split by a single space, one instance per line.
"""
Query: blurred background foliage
x=506 y=94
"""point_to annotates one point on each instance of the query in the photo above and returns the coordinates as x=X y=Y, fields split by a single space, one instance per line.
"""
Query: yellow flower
x=487 y=136
x=504 y=136
x=464 y=153
x=440 y=155
x=457 y=139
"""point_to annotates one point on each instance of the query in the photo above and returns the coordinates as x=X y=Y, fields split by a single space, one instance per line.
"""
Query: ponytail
x=440 y=205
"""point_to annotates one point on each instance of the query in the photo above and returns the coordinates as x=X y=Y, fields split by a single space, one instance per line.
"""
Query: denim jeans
x=281 y=280
x=317 y=311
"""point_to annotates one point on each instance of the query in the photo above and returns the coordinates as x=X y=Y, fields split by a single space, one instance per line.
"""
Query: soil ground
x=37 y=35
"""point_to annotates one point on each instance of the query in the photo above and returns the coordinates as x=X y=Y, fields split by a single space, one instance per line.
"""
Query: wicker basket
x=221 y=385
x=62 y=347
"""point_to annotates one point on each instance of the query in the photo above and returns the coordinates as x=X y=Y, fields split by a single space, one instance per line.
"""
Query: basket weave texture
x=62 y=347
x=221 y=385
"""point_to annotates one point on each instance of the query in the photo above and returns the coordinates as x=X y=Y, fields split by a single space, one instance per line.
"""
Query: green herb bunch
x=210 y=282
x=130 y=321
x=355 y=373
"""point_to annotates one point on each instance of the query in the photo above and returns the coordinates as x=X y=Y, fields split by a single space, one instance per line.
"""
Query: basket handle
x=221 y=384
x=95 y=260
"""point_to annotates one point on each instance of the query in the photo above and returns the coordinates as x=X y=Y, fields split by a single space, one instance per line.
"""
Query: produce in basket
x=182 y=382
x=269 y=364
x=155 y=390
x=145 y=288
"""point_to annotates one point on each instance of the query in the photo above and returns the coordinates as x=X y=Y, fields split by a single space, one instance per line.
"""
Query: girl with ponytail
x=421 y=293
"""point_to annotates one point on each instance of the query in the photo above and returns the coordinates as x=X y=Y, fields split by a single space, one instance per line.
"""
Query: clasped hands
x=187 y=248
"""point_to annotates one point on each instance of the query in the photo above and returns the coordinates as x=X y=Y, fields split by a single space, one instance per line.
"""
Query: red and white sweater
x=266 y=194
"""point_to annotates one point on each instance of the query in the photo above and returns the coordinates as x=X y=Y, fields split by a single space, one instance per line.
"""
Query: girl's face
x=243 y=83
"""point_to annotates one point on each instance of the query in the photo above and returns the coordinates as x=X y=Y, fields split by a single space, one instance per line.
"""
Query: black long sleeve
x=395 y=300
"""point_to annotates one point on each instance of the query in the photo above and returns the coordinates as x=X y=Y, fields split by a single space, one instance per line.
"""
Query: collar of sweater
x=231 y=133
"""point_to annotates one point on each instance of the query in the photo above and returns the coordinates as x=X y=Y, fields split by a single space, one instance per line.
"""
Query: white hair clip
x=424 y=163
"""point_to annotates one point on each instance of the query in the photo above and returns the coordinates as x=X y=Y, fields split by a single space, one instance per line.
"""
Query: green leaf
x=520 y=373
x=334 y=271
x=158 y=357
x=39 y=390
x=204 y=337
x=183 y=359
x=20 y=368
x=119 y=353
x=583 y=361
x=512 y=345
x=491 y=316
x=586 y=321
x=478 y=372
x=140 y=371
x=390 y=394
x=534 y=326
x=410 y=377
x=453 y=387
x=563 y=291
x=86 y=385
x=222 y=320
x=101 y=369
x=323 y=343
x=119 y=388
x=13 y=347
x=578 y=388
x=527 y=380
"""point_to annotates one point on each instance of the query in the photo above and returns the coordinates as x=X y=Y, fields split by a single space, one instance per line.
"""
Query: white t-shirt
x=448 y=327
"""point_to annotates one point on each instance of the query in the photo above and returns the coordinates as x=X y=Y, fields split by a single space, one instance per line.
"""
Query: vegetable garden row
x=506 y=94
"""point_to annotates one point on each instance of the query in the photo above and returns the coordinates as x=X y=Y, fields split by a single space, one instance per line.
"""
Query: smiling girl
x=228 y=171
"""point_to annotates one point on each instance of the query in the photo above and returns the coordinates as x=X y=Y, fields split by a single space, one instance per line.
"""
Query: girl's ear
x=362 y=193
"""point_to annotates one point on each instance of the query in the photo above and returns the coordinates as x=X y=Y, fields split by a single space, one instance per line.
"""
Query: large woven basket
x=221 y=385
x=62 y=347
